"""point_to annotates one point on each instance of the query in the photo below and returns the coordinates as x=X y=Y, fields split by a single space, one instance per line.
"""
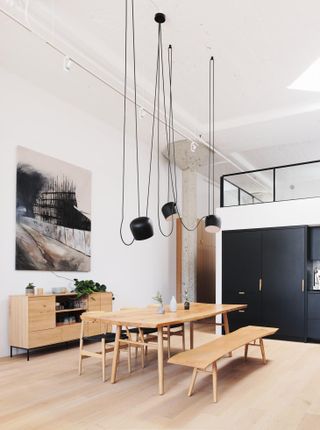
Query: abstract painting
x=53 y=214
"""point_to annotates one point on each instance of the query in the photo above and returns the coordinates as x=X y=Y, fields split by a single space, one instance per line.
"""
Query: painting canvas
x=53 y=214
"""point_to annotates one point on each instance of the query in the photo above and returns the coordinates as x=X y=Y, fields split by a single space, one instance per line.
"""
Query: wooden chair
x=173 y=330
x=107 y=345
x=144 y=335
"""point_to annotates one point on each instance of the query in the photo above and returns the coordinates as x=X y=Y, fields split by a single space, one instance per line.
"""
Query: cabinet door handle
x=302 y=285
x=241 y=292
x=260 y=284
x=241 y=311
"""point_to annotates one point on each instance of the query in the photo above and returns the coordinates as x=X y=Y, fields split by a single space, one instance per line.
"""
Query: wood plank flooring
x=46 y=393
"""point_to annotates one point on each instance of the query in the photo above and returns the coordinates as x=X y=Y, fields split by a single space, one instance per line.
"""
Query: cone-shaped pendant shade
x=169 y=210
x=141 y=228
x=212 y=224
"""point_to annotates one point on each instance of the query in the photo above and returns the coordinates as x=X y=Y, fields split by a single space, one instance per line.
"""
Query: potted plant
x=30 y=289
x=158 y=298
x=86 y=287
x=186 y=299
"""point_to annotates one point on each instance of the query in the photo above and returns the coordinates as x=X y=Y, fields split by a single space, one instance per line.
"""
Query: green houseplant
x=30 y=289
x=86 y=287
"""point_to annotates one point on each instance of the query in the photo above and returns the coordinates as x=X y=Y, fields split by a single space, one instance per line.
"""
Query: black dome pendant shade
x=141 y=228
x=169 y=210
x=212 y=224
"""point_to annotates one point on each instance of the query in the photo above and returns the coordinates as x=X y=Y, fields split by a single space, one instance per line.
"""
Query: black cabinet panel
x=241 y=261
x=283 y=271
x=314 y=243
x=314 y=306
x=241 y=271
x=314 y=329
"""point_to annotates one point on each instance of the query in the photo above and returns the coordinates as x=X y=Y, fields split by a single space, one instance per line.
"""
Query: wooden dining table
x=148 y=317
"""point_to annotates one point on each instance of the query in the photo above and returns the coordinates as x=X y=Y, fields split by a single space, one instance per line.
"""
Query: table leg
x=226 y=327
x=160 y=360
x=115 y=355
x=191 y=335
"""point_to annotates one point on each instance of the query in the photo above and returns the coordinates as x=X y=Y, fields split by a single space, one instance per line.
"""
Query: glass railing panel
x=256 y=187
x=231 y=194
x=246 y=198
x=297 y=182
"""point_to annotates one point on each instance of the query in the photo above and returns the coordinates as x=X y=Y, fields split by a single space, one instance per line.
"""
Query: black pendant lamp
x=141 y=227
x=212 y=222
x=169 y=211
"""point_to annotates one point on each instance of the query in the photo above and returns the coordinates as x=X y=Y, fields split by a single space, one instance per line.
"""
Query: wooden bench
x=208 y=354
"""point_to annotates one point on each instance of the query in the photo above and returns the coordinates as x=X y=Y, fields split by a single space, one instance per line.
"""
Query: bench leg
x=263 y=353
x=193 y=381
x=246 y=347
x=214 y=381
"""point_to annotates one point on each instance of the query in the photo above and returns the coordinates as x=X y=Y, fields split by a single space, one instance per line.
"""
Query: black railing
x=274 y=184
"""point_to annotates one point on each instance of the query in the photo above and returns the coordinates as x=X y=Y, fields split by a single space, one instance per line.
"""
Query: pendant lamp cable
x=124 y=130
x=212 y=127
x=210 y=133
x=161 y=80
x=174 y=180
x=135 y=106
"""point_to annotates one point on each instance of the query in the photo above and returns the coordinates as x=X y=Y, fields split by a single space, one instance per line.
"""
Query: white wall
x=34 y=118
x=290 y=213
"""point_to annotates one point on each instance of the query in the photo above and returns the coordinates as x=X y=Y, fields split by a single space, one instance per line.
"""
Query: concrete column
x=189 y=239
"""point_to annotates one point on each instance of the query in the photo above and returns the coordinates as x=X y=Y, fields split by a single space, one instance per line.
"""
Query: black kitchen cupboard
x=271 y=269
x=241 y=274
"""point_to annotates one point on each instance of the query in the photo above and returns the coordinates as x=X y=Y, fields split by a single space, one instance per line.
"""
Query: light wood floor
x=47 y=393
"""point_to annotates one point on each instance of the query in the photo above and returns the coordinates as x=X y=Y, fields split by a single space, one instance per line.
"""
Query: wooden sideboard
x=37 y=321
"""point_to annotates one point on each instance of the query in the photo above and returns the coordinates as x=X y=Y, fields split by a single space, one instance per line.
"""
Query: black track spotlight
x=212 y=224
x=141 y=228
x=169 y=211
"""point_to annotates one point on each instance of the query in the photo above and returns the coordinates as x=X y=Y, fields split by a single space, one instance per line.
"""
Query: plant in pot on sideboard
x=84 y=288
x=30 y=289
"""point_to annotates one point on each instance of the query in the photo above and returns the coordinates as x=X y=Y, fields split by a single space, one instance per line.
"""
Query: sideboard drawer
x=71 y=332
x=45 y=337
x=41 y=313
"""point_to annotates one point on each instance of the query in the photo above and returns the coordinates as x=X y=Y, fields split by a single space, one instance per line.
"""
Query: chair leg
x=246 y=347
x=214 y=381
x=81 y=347
x=141 y=336
x=129 y=358
x=263 y=353
x=168 y=341
x=137 y=339
x=103 y=359
x=183 y=338
x=193 y=381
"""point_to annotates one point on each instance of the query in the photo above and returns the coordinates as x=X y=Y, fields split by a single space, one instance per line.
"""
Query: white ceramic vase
x=173 y=304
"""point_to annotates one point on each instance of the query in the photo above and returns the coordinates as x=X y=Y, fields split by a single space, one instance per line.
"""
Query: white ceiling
x=260 y=48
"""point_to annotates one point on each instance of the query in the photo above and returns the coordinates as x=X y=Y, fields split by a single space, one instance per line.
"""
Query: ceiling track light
x=67 y=63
